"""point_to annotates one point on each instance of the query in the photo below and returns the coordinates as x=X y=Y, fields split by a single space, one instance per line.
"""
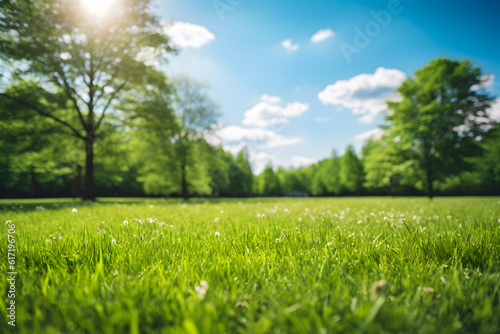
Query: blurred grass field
x=279 y=265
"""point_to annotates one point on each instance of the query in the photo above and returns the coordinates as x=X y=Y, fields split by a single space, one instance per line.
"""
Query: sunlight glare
x=97 y=8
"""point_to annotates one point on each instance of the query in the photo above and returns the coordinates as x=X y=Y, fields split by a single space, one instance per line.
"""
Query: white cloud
x=365 y=94
x=287 y=44
x=487 y=81
x=269 y=112
x=298 y=161
x=370 y=134
x=188 y=35
x=282 y=141
x=235 y=149
x=260 y=161
x=270 y=99
x=322 y=35
x=494 y=111
x=254 y=136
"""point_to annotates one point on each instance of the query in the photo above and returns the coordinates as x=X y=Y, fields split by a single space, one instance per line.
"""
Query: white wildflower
x=113 y=240
x=74 y=210
x=217 y=234
x=277 y=240
x=217 y=219
x=201 y=290
x=125 y=222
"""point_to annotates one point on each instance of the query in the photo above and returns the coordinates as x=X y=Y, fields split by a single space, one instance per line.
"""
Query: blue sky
x=270 y=78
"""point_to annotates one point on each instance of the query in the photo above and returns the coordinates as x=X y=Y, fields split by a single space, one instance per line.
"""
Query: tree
x=245 y=178
x=197 y=116
x=291 y=181
x=319 y=174
x=387 y=167
x=489 y=163
x=269 y=183
x=35 y=150
x=235 y=178
x=351 y=171
x=439 y=118
x=332 y=177
x=171 y=122
x=81 y=62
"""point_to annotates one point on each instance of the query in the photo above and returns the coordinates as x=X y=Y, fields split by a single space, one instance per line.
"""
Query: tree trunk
x=89 y=191
x=185 y=193
x=430 y=189
x=33 y=185
x=76 y=186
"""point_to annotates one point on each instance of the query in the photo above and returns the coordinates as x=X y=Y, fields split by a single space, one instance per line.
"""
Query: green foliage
x=36 y=151
x=351 y=171
x=170 y=123
x=78 y=66
x=439 y=118
x=269 y=183
x=489 y=163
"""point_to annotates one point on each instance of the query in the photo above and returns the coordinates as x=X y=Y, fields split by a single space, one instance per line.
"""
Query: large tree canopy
x=81 y=61
x=437 y=125
x=171 y=122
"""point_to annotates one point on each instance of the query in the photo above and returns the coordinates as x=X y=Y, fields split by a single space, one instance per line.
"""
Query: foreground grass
x=258 y=265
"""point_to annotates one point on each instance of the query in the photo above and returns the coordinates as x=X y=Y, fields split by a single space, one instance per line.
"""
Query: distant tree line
x=86 y=111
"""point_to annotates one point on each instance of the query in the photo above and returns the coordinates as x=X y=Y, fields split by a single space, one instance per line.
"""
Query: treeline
x=437 y=140
x=123 y=169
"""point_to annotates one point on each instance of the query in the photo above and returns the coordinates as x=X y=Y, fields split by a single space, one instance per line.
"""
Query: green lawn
x=277 y=265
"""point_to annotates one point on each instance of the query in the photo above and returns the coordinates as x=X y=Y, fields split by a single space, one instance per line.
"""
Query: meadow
x=269 y=265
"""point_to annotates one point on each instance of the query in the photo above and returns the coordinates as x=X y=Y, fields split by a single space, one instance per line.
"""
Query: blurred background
x=240 y=98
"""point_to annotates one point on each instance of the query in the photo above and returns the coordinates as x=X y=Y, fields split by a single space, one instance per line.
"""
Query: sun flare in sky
x=97 y=8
